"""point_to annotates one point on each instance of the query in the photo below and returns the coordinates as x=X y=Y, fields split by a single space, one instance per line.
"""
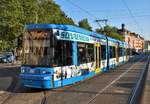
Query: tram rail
x=61 y=93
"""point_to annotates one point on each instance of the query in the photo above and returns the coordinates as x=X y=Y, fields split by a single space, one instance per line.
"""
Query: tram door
x=117 y=53
x=98 y=57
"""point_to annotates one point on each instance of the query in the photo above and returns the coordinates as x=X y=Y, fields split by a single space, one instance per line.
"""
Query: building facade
x=135 y=41
x=147 y=46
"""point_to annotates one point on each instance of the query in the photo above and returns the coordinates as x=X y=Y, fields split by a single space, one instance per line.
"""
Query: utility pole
x=102 y=20
x=98 y=23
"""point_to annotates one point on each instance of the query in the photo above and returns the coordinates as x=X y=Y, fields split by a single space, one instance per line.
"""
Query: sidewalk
x=17 y=63
x=146 y=93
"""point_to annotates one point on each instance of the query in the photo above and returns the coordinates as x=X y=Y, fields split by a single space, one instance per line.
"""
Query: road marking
x=105 y=88
x=120 y=91
x=2 y=92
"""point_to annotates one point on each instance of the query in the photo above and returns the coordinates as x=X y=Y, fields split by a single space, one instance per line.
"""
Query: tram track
x=77 y=91
x=15 y=93
x=44 y=96
x=135 y=98
x=9 y=93
x=114 y=81
x=44 y=99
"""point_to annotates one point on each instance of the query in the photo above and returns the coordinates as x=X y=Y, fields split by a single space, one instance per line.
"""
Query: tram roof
x=115 y=40
x=64 y=27
x=121 y=43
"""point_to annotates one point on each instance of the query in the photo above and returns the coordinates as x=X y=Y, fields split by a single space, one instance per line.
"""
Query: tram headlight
x=22 y=70
x=45 y=72
x=46 y=78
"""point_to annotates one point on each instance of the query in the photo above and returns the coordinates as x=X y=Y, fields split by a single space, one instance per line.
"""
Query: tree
x=85 y=24
x=50 y=12
x=110 y=31
x=10 y=25
x=14 y=14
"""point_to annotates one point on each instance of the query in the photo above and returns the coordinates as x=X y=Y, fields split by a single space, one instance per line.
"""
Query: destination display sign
x=73 y=36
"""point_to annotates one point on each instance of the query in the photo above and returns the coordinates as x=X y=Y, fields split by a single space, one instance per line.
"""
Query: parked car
x=7 y=57
x=2 y=59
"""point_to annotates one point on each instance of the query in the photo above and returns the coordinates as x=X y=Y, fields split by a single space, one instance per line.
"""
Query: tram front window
x=38 y=48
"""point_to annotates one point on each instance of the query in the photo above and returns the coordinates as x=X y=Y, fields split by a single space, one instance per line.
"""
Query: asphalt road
x=146 y=92
x=8 y=80
x=113 y=87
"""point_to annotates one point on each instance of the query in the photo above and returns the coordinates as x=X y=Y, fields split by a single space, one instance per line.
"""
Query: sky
x=135 y=14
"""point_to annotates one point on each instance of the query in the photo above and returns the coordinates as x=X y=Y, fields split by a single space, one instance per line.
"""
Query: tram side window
x=120 y=51
x=85 y=53
x=68 y=53
x=81 y=53
x=125 y=51
x=90 y=54
x=63 y=53
x=112 y=52
x=58 y=54
x=103 y=52
x=128 y=51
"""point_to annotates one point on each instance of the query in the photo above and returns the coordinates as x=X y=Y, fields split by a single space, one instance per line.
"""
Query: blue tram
x=56 y=55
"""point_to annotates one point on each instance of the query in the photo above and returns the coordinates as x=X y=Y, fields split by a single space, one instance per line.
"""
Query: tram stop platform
x=146 y=92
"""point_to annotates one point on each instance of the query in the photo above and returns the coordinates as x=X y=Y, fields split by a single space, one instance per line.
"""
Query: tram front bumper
x=36 y=81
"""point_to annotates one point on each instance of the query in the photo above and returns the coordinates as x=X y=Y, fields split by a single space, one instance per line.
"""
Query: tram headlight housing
x=45 y=72
x=46 y=78
x=22 y=70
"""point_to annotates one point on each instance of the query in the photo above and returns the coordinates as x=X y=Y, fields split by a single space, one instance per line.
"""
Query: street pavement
x=8 y=79
x=146 y=92
x=11 y=91
x=113 y=87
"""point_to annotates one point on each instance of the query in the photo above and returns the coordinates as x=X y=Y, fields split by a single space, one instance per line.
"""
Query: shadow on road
x=10 y=82
x=8 y=77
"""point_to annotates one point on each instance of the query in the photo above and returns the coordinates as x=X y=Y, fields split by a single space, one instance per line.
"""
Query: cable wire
x=133 y=17
x=87 y=12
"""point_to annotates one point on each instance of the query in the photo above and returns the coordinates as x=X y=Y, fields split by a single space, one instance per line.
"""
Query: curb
x=137 y=91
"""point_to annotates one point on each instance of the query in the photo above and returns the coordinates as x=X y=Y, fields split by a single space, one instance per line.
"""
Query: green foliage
x=14 y=14
x=10 y=11
x=50 y=12
x=110 y=31
x=85 y=24
x=5 y=45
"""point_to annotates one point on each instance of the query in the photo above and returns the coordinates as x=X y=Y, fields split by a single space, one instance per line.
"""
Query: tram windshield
x=38 y=48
